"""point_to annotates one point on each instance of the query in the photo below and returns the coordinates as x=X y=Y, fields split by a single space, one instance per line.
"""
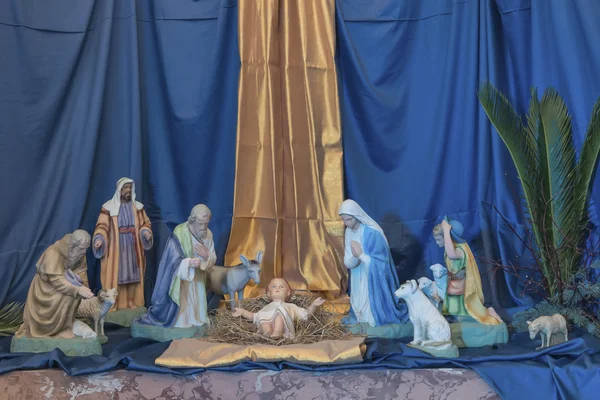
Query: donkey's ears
x=259 y=256
x=244 y=259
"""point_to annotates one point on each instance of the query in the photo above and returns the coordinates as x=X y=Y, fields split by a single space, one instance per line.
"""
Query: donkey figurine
x=231 y=280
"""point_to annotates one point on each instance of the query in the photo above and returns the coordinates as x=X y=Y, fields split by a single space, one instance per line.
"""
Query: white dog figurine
x=547 y=326
x=431 y=328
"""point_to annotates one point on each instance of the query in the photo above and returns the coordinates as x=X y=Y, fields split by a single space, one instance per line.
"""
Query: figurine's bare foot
x=415 y=342
x=494 y=314
x=266 y=333
x=66 y=334
x=132 y=305
x=276 y=335
x=265 y=329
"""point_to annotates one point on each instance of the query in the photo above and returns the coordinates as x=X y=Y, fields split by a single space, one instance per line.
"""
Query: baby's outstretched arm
x=313 y=307
x=240 y=312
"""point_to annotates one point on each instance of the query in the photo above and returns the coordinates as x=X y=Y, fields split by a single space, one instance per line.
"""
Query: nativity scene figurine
x=373 y=276
x=464 y=292
x=179 y=297
x=222 y=280
x=56 y=291
x=122 y=233
x=432 y=331
x=276 y=319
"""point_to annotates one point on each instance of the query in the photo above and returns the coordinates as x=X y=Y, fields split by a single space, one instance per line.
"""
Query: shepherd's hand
x=85 y=292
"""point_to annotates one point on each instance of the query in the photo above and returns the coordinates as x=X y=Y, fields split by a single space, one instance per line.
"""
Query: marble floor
x=438 y=384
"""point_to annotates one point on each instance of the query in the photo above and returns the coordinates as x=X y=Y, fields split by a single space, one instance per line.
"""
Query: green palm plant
x=556 y=185
x=11 y=318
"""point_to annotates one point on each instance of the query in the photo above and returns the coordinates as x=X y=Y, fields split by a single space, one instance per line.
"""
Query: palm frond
x=541 y=217
x=523 y=148
x=510 y=128
x=11 y=318
x=520 y=144
x=586 y=167
x=561 y=176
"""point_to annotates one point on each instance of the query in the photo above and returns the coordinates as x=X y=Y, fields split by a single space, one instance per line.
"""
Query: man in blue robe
x=373 y=277
x=179 y=297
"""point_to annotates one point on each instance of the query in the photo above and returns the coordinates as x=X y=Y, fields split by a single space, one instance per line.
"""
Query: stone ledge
x=466 y=332
x=71 y=347
x=390 y=331
x=450 y=352
x=165 y=334
x=124 y=316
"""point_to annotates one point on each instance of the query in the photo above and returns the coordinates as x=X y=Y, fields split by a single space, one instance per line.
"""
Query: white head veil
x=350 y=207
x=114 y=204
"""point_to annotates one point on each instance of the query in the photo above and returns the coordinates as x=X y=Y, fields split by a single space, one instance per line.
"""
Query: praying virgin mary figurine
x=373 y=277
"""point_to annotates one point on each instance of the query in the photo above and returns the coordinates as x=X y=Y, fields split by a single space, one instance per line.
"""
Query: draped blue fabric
x=383 y=281
x=94 y=90
x=515 y=371
x=163 y=311
x=418 y=145
x=91 y=91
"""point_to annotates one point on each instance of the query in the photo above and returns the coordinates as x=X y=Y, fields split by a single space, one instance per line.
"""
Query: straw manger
x=321 y=325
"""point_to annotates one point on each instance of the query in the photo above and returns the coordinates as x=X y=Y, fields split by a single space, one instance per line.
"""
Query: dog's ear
x=413 y=286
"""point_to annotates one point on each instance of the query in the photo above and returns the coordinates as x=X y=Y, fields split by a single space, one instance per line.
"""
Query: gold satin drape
x=289 y=171
x=196 y=353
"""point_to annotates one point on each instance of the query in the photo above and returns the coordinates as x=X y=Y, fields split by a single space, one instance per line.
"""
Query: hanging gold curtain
x=289 y=171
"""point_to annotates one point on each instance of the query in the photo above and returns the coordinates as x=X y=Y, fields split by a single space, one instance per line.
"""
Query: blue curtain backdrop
x=91 y=91
x=417 y=143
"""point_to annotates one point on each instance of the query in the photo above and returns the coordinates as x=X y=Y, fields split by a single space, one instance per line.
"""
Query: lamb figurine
x=431 y=328
x=97 y=307
x=547 y=326
x=440 y=276
x=429 y=288
x=435 y=290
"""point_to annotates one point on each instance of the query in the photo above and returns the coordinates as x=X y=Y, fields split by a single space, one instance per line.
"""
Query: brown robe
x=52 y=301
x=108 y=228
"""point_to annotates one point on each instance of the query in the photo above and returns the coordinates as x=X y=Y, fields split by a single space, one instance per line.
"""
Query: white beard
x=73 y=261
x=195 y=232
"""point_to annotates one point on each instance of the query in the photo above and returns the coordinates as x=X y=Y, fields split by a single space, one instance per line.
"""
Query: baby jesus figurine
x=276 y=319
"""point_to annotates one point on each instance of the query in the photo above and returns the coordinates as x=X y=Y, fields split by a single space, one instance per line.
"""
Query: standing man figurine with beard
x=122 y=233
x=179 y=297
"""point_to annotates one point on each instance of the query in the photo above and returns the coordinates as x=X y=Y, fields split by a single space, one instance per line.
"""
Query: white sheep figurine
x=547 y=326
x=97 y=307
x=440 y=276
x=429 y=288
x=435 y=290
x=431 y=328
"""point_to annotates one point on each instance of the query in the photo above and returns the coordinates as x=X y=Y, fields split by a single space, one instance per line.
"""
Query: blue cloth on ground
x=515 y=370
